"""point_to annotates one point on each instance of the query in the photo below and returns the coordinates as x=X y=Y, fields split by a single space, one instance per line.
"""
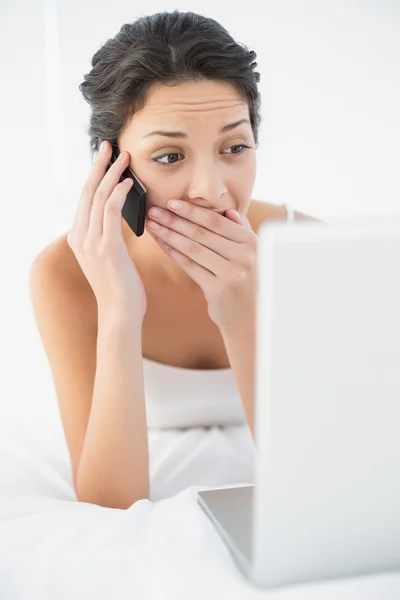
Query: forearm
x=114 y=466
x=240 y=344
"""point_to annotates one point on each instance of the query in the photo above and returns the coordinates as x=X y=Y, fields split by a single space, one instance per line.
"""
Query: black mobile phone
x=134 y=208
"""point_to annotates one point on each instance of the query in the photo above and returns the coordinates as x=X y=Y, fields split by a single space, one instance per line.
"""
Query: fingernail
x=103 y=147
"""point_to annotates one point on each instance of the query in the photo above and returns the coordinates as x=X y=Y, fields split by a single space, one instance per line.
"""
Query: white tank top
x=179 y=397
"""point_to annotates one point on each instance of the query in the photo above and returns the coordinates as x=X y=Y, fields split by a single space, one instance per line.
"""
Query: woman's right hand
x=97 y=242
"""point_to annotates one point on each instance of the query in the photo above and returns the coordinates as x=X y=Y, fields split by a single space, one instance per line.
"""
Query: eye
x=157 y=159
x=239 y=146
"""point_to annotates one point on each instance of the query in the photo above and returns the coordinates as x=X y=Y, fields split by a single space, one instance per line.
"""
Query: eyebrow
x=181 y=134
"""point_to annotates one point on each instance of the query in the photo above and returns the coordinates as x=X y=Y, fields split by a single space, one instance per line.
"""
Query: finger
x=224 y=226
x=201 y=275
x=233 y=214
x=113 y=209
x=104 y=190
x=82 y=215
x=246 y=223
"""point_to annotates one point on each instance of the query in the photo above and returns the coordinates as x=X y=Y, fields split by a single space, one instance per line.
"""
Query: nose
x=206 y=186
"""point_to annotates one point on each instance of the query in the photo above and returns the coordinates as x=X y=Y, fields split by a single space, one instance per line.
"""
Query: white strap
x=289 y=212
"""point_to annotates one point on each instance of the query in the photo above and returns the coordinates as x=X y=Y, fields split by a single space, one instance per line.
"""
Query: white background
x=329 y=141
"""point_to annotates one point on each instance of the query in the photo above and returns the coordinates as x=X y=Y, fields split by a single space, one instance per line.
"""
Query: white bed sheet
x=52 y=546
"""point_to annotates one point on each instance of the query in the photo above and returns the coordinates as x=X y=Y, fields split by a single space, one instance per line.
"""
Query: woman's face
x=202 y=164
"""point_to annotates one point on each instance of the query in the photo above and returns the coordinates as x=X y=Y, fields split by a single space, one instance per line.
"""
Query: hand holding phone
x=134 y=208
x=99 y=246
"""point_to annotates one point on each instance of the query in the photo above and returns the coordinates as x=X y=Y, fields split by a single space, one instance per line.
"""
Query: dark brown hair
x=169 y=48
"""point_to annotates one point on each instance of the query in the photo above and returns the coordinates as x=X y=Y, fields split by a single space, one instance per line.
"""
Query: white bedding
x=53 y=547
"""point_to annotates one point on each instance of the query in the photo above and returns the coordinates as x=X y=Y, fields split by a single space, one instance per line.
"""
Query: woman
x=118 y=313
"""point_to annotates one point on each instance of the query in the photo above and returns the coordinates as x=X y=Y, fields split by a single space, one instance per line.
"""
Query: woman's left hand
x=218 y=252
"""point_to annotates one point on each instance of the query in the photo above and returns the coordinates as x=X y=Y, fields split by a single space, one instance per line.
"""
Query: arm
x=240 y=347
x=114 y=466
x=240 y=340
x=97 y=372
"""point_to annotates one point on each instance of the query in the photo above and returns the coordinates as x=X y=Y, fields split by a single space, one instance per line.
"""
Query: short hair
x=168 y=48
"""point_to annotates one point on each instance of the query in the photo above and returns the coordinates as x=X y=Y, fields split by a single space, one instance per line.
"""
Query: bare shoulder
x=59 y=256
x=57 y=265
x=262 y=211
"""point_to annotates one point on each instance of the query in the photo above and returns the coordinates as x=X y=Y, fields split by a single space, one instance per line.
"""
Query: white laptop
x=325 y=502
